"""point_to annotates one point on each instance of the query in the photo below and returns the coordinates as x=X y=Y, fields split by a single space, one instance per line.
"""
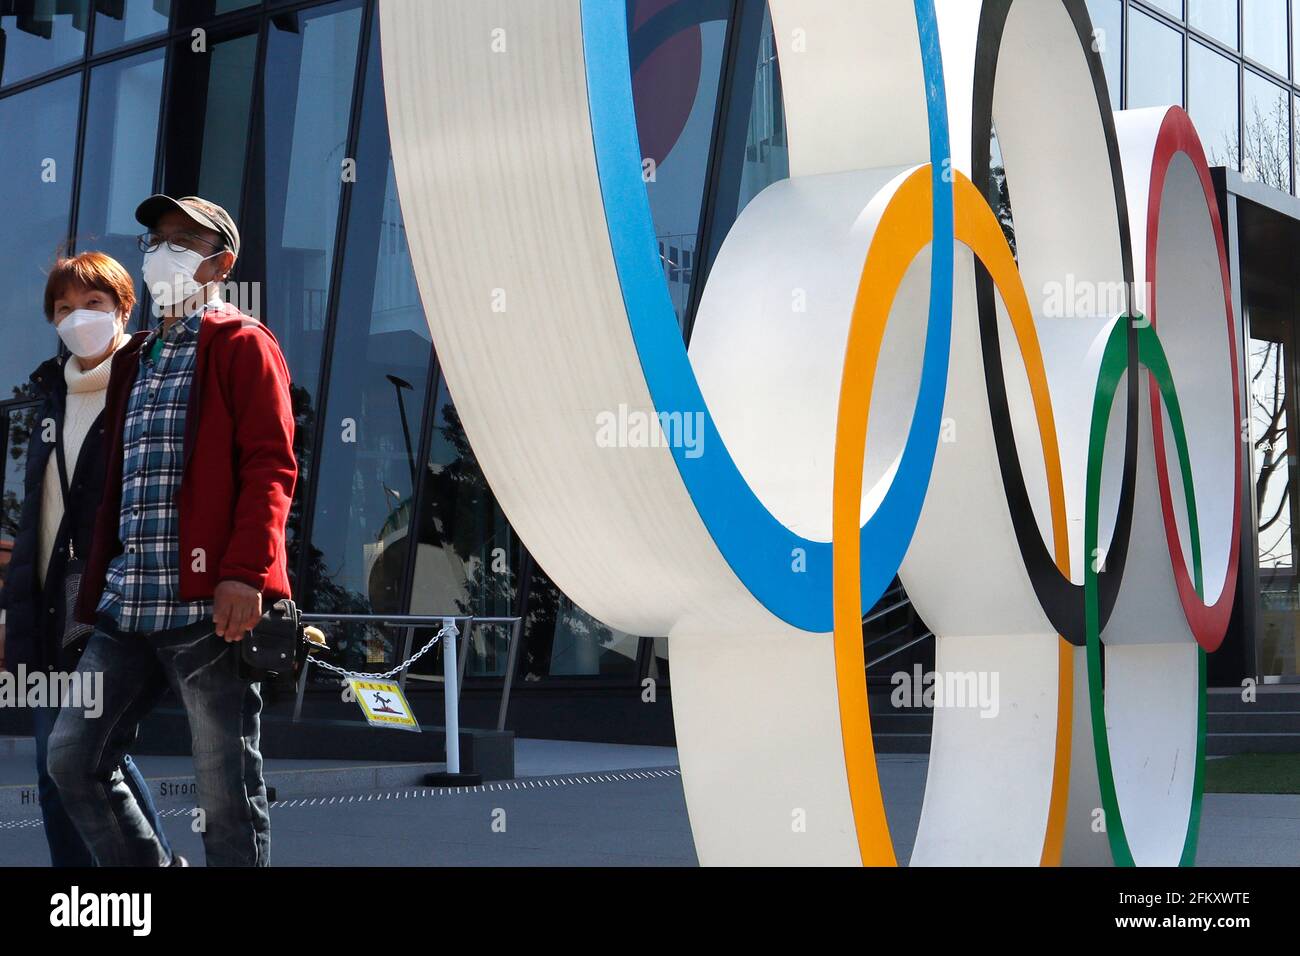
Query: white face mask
x=170 y=275
x=87 y=333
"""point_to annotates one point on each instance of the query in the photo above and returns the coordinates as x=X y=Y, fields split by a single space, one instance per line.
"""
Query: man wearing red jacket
x=189 y=546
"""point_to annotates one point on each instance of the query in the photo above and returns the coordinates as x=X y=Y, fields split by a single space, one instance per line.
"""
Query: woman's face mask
x=88 y=333
x=169 y=275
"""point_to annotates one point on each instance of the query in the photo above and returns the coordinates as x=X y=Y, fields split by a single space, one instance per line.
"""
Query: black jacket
x=34 y=617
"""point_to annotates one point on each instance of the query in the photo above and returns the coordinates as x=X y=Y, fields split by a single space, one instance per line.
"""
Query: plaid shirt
x=142 y=584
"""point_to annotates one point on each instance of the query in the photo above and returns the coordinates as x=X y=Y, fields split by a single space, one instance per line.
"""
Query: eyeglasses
x=176 y=242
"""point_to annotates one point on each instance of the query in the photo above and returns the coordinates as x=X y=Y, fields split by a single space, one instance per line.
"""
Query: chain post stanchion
x=453 y=776
x=452 y=666
x=451 y=696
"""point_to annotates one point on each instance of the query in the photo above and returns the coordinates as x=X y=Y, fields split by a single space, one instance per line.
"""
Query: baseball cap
x=207 y=214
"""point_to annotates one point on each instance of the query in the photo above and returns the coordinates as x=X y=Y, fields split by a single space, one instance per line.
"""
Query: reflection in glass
x=127 y=21
x=767 y=152
x=562 y=640
x=1266 y=156
x=16 y=429
x=467 y=560
x=117 y=169
x=1155 y=62
x=294 y=196
x=1212 y=103
x=1273 y=446
x=307 y=94
x=1172 y=7
x=675 y=76
x=40 y=36
x=659 y=663
x=1295 y=40
x=1217 y=18
x=1108 y=38
x=378 y=379
x=195 y=11
x=37 y=156
x=1295 y=138
x=207 y=120
x=1265 y=29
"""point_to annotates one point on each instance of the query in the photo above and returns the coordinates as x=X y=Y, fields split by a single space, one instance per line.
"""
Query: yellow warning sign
x=384 y=704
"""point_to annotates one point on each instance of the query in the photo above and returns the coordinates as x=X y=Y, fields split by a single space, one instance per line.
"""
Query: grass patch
x=1253 y=773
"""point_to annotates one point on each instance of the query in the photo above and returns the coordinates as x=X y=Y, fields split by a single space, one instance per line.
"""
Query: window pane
x=1295 y=40
x=1274 y=452
x=378 y=379
x=310 y=68
x=675 y=92
x=1295 y=137
x=1172 y=7
x=379 y=375
x=117 y=168
x=293 y=207
x=196 y=11
x=16 y=428
x=42 y=36
x=1266 y=157
x=1108 y=39
x=207 y=120
x=1218 y=18
x=562 y=640
x=767 y=152
x=1155 y=62
x=126 y=21
x=1212 y=103
x=37 y=155
x=467 y=559
x=1265 y=32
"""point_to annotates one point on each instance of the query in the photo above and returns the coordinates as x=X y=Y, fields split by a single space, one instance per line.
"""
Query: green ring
x=1114 y=364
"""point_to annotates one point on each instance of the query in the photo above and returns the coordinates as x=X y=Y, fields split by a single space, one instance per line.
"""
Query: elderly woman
x=88 y=298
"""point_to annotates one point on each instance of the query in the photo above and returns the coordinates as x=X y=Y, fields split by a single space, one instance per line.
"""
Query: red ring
x=1208 y=623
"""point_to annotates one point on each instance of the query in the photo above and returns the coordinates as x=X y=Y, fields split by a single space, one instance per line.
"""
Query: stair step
x=1222 y=745
x=901 y=743
x=1270 y=697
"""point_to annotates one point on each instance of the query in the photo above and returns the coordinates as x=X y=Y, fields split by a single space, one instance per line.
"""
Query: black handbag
x=274 y=645
x=68 y=627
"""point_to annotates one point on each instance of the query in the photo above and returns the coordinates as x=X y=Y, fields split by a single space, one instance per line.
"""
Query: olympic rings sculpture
x=925 y=413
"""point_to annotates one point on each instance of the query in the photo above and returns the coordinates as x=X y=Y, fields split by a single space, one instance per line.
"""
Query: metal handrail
x=876 y=615
x=887 y=636
x=898 y=650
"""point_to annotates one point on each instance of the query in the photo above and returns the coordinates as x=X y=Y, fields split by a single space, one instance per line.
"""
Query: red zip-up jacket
x=239 y=466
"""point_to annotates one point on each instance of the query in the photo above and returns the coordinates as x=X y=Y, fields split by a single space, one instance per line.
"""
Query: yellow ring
x=905 y=230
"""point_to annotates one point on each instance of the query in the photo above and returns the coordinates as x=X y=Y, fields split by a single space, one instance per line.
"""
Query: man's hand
x=236 y=609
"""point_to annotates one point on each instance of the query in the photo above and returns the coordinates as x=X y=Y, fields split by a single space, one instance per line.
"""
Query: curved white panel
x=495 y=149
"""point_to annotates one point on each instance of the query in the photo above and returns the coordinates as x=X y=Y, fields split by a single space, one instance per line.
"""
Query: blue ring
x=758 y=547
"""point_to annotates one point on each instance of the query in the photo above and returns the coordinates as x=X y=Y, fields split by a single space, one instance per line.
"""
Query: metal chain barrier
x=447 y=628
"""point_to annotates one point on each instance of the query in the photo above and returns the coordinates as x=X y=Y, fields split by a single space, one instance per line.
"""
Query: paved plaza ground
x=572 y=804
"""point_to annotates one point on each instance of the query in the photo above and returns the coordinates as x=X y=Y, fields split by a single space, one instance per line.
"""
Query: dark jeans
x=66 y=846
x=223 y=711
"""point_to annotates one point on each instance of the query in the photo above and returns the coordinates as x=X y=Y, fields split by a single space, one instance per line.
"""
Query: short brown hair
x=89 y=270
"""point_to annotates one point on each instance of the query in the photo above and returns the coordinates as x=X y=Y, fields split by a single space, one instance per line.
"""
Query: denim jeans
x=223 y=711
x=66 y=846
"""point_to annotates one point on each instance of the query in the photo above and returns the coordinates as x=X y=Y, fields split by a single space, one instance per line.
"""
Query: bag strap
x=68 y=513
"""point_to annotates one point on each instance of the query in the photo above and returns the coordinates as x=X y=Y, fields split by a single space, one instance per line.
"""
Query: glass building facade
x=1235 y=66
x=276 y=110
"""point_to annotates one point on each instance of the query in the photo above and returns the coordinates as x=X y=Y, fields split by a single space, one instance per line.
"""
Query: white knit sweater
x=87 y=392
